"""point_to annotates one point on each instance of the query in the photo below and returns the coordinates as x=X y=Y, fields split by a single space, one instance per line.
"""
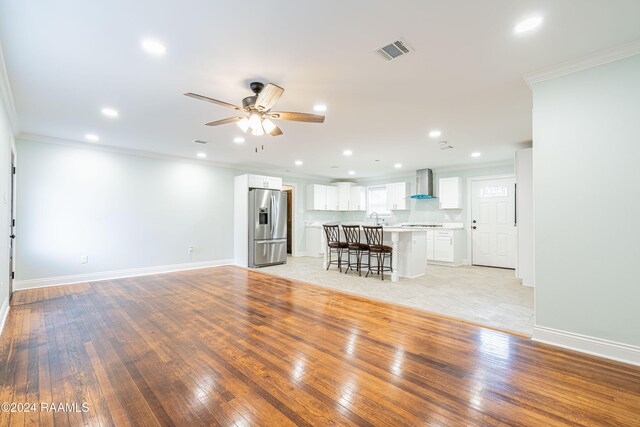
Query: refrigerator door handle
x=270 y=242
x=274 y=214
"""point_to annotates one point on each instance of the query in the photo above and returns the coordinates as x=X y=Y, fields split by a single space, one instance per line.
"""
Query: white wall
x=587 y=204
x=122 y=211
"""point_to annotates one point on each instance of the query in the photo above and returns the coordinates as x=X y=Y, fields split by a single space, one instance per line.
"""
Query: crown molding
x=155 y=155
x=589 y=61
x=7 y=94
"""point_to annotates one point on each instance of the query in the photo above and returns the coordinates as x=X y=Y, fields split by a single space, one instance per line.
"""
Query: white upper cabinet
x=358 y=198
x=332 y=198
x=450 y=193
x=398 y=196
x=316 y=197
x=261 y=181
x=344 y=195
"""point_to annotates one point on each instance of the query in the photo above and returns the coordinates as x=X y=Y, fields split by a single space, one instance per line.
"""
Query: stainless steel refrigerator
x=267 y=227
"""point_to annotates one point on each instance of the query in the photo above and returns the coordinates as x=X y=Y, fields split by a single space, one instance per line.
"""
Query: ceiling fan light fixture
x=268 y=125
x=255 y=122
x=243 y=124
x=259 y=131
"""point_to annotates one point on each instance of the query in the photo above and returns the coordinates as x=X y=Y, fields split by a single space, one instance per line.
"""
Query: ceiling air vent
x=444 y=145
x=394 y=50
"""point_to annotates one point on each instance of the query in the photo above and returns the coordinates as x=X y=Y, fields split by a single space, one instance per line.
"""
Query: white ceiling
x=68 y=59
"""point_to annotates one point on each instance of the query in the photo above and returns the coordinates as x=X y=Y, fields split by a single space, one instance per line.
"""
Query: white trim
x=585 y=344
x=593 y=60
x=4 y=313
x=7 y=94
x=115 y=274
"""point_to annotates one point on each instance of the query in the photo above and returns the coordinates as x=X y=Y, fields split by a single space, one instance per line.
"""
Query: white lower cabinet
x=429 y=245
x=315 y=241
x=445 y=246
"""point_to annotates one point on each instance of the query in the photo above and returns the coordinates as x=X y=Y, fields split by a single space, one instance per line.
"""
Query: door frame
x=470 y=181
x=13 y=182
x=294 y=202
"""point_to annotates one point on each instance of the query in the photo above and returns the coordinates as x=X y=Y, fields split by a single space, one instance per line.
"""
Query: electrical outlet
x=84 y=259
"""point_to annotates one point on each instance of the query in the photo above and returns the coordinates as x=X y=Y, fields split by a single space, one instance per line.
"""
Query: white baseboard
x=583 y=343
x=4 y=312
x=527 y=285
x=115 y=274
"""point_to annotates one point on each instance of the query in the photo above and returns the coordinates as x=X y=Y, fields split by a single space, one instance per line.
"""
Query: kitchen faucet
x=377 y=219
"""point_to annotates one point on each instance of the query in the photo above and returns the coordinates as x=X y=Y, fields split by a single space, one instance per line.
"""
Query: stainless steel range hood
x=424 y=184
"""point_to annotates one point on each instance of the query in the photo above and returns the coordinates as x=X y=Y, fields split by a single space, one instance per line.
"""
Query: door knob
x=13 y=236
x=474 y=227
x=474 y=221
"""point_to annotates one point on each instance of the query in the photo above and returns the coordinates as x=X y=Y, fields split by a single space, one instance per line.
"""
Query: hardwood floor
x=228 y=346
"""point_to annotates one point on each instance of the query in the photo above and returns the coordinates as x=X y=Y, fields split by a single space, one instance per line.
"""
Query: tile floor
x=482 y=295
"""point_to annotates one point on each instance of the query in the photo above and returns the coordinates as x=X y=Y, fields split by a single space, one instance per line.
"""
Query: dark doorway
x=289 y=219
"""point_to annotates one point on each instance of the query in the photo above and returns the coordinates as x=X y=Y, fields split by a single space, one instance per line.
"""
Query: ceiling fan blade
x=268 y=97
x=297 y=117
x=224 y=121
x=213 y=101
x=276 y=131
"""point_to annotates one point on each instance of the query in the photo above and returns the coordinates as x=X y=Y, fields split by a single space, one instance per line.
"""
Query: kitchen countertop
x=395 y=227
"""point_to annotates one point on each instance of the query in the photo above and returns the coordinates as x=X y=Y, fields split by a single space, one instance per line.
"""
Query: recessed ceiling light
x=435 y=133
x=352 y=172
x=153 y=47
x=476 y=154
x=298 y=162
x=238 y=140
x=528 y=25
x=320 y=108
x=397 y=165
x=110 y=112
x=92 y=137
x=347 y=152
x=202 y=155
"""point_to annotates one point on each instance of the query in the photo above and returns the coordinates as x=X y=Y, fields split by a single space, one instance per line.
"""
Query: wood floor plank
x=234 y=347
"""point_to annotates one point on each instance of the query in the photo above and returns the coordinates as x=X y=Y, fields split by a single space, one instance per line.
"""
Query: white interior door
x=493 y=225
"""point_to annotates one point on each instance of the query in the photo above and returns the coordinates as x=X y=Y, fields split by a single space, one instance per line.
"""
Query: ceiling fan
x=258 y=107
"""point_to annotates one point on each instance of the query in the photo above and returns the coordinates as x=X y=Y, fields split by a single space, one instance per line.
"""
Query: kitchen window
x=377 y=201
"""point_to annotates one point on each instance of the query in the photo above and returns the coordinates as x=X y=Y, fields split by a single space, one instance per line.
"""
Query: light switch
x=84 y=259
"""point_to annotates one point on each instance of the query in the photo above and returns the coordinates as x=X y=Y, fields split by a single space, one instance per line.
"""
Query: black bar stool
x=334 y=245
x=375 y=239
x=354 y=247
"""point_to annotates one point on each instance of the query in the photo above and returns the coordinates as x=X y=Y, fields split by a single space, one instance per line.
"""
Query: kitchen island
x=409 y=251
x=409 y=245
